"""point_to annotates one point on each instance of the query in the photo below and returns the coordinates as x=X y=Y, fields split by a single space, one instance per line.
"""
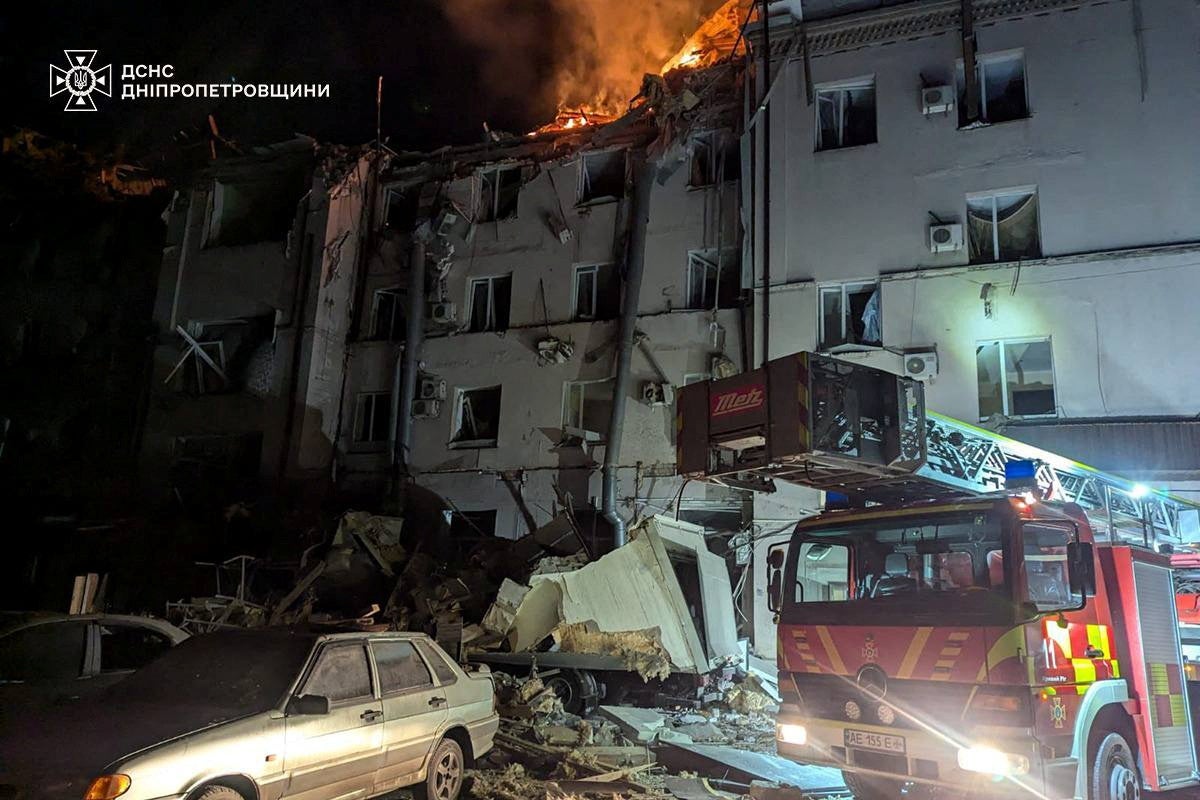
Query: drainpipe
x=412 y=346
x=635 y=261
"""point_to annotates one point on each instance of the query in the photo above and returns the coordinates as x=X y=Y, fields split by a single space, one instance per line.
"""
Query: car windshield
x=897 y=558
x=243 y=672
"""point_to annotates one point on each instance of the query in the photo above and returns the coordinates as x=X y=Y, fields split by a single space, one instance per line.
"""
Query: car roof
x=12 y=621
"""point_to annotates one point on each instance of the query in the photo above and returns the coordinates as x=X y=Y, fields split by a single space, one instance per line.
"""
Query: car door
x=414 y=710
x=335 y=754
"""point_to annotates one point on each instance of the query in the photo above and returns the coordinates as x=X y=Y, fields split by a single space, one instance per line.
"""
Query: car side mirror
x=308 y=705
x=1081 y=568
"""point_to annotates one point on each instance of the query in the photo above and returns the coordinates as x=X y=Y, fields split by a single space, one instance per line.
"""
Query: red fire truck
x=983 y=618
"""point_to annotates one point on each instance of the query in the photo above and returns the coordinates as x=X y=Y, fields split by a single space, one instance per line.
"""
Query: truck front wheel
x=1114 y=771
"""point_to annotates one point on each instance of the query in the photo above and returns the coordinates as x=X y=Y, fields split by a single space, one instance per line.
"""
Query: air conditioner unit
x=453 y=223
x=657 y=394
x=945 y=238
x=921 y=364
x=431 y=389
x=442 y=313
x=425 y=409
x=937 y=100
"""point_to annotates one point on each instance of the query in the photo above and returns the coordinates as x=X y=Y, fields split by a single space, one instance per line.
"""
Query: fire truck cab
x=947 y=633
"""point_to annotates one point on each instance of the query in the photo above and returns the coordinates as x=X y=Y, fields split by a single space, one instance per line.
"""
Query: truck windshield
x=897 y=558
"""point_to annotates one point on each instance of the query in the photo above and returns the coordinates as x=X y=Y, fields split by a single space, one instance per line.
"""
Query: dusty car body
x=264 y=715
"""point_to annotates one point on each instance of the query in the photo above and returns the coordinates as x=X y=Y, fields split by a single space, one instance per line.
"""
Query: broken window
x=714 y=278
x=716 y=158
x=387 y=315
x=401 y=207
x=846 y=114
x=373 y=417
x=472 y=525
x=250 y=211
x=477 y=417
x=1016 y=378
x=850 y=315
x=595 y=291
x=490 y=302
x=602 y=176
x=1002 y=95
x=1003 y=226
x=225 y=356
x=399 y=666
x=499 y=189
x=340 y=674
x=587 y=406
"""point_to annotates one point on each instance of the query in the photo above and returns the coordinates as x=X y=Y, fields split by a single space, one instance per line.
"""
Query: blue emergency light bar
x=1020 y=474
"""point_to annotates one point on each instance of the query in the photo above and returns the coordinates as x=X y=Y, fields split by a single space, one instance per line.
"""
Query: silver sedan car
x=264 y=715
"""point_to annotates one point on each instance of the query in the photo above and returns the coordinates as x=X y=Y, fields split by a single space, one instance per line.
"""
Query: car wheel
x=1114 y=771
x=445 y=778
x=219 y=793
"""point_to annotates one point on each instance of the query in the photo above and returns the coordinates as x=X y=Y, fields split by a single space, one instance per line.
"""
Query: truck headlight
x=107 y=787
x=991 y=761
x=789 y=733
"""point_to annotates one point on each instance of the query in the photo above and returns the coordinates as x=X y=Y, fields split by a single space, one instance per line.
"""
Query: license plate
x=882 y=742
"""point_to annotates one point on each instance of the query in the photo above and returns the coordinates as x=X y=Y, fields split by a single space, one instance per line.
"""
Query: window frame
x=393 y=335
x=981 y=62
x=1004 y=401
x=493 y=212
x=719 y=265
x=583 y=181
x=311 y=667
x=384 y=694
x=360 y=401
x=846 y=288
x=566 y=400
x=993 y=195
x=841 y=88
x=490 y=324
x=579 y=270
x=460 y=401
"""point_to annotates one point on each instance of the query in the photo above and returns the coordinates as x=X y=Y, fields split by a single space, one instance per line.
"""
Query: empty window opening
x=846 y=114
x=716 y=158
x=587 y=406
x=387 y=315
x=401 y=207
x=1003 y=226
x=595 y=292
x=490 y=302
x=714 y=278
x=477 y=417
x=251 y=211
x=602 y=176
x=1016 y=378
x=1002 y=94
x=850 y=315
x=373 y=417
x=499 y=189
x=472 y=526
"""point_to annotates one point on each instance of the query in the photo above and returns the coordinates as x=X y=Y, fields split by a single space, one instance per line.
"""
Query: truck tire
x=1115 y=773
x=445 y=778
x=577 y=688
x=870 y=787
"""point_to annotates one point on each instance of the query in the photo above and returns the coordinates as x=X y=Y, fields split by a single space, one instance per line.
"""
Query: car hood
x=55 y=752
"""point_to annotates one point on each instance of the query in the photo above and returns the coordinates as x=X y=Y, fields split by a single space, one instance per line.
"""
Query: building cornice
x=902 y=23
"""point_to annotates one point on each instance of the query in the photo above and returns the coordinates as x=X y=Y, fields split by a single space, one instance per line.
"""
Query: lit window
x=372 y=417
x=846 y=114
x=602 y=176
x=716 y=158
x=499 y=189
x=1016 y=378
x=714 y=278
x=595 y=292
x=587 y=406
x=850 y=315
x=1002 y=95
x=476 y=417
x=1003 y=226
x=387 y=315
x=490 y=302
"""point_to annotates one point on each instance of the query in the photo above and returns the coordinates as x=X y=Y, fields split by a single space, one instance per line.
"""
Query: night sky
x=435 y=89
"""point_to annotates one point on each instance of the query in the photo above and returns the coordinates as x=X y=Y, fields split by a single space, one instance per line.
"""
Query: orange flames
x=716 y=38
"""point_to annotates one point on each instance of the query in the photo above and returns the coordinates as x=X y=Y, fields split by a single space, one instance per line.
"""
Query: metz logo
x=737 y=401
x=80 y=80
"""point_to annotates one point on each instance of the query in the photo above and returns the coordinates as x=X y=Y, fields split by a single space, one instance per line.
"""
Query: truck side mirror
x=1081 y=568
x=775 y=559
